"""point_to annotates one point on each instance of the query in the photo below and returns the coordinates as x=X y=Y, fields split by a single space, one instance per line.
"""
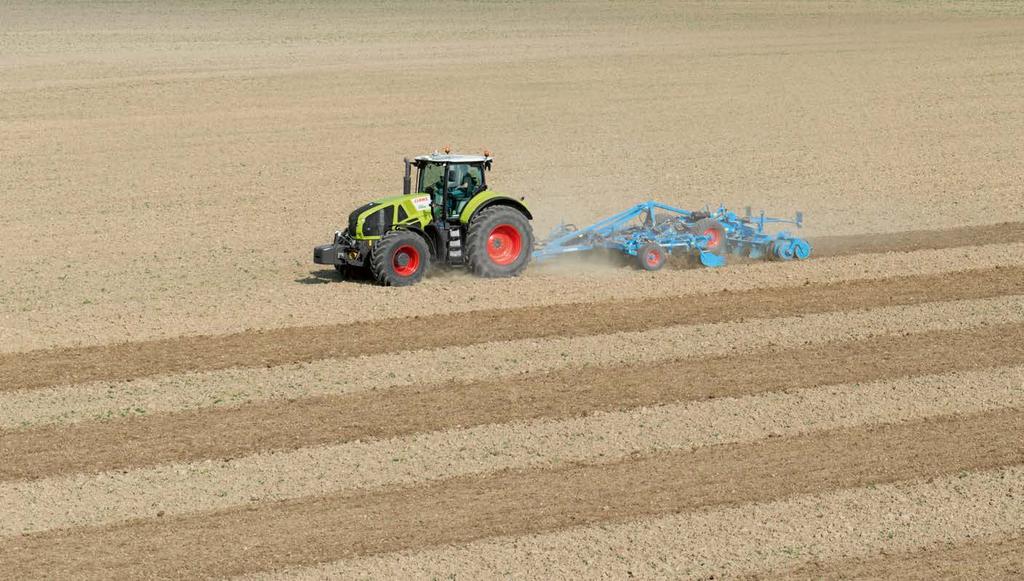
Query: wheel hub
x=653 y=258
x=504 y=244
x=715 y=237
x=406 y=260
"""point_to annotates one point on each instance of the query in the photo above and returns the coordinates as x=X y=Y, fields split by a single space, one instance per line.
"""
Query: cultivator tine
x=710 y=259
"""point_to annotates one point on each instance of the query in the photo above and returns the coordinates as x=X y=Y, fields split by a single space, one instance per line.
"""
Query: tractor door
x=465 y=181
x=430 y=180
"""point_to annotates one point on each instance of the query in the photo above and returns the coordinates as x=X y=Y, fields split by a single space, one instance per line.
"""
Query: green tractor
x=451 y=218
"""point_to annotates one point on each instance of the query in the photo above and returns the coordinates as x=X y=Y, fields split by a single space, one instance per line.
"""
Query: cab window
x=474 y=178
x=431 y=179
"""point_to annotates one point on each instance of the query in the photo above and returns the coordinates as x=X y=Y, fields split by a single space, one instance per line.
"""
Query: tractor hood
x=371 y=220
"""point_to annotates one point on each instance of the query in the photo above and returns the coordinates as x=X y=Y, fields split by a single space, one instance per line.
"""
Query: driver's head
x=453 y=176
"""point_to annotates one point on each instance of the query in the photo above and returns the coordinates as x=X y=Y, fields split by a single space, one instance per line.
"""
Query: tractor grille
x=376 y=223
x=353 y=218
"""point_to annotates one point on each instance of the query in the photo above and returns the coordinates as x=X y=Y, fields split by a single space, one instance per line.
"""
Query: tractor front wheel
x=399 y=258
x=499 y=242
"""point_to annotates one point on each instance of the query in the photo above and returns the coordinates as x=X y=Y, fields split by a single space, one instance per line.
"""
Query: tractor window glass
x=474 y=178
x=464 y=180
x=431 y=178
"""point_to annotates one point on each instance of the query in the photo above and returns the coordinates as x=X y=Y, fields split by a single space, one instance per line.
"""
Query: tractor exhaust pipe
x=407 y=180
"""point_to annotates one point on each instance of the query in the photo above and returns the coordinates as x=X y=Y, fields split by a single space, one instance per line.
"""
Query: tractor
x=451 y=218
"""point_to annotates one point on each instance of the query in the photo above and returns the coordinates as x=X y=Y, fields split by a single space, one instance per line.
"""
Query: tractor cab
x=451 y=181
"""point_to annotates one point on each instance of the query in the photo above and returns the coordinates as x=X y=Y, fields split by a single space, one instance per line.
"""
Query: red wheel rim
x=714 y=235
x=406 y=260
x=504 y=244
x=653 y=258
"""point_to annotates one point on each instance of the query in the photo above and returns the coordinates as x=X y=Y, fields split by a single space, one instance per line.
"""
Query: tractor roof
x=452 y=158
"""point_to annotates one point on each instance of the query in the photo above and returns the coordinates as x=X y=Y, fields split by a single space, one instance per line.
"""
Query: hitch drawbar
x=652 y=231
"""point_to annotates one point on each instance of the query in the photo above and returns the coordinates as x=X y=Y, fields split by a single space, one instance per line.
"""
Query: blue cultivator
x=652 y=231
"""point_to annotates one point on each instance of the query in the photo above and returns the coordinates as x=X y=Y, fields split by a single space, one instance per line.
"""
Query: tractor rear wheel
x=399 y=258
x=499 y=242
x=714 y=230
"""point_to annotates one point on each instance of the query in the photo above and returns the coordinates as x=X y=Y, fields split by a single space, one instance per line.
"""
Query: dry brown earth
x=193 y=487
x=182 y=394
x=838 y=526
x=465 y=509
x=168 y=169
x=227 y=433
x=998 y=558
x=291 y=345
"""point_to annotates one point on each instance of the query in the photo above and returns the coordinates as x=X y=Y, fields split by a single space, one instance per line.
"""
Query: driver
x=468 y=184
x=454 y=173
x=460 y=189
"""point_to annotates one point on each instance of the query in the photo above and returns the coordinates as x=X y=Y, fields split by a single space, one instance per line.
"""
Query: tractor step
x=455 y=249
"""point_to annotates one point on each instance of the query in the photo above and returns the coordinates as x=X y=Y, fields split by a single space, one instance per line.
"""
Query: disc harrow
x=651 y=232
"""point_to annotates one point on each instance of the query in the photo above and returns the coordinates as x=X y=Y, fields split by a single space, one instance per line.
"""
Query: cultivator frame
x=704 y=235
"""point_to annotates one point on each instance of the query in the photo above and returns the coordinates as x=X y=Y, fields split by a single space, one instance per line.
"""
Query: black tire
x=714 y=228
x=400 y=258
x=499 y=242
x=651 y=256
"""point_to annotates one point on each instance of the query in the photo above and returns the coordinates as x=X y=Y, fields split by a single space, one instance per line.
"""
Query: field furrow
x=301 y=344
x=997 y=557
x=908 y=241
x=460 y=510
x=877 y=353
x=485 y=361
x=814 y=535
x=177 y=489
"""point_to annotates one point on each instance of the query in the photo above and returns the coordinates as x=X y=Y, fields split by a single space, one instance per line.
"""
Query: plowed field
x=183 y=394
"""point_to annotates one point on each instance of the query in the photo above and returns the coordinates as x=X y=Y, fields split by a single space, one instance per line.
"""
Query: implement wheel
x=651 y=256
x=714 y=230
x=499 y=242
x=400 y=258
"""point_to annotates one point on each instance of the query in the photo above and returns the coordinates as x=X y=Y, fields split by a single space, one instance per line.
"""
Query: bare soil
x=764 y=540
x=225 y=433
x=168 y=168
x=292 y=345
x=199 y=486
x=986 y=558
x=461 y=510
